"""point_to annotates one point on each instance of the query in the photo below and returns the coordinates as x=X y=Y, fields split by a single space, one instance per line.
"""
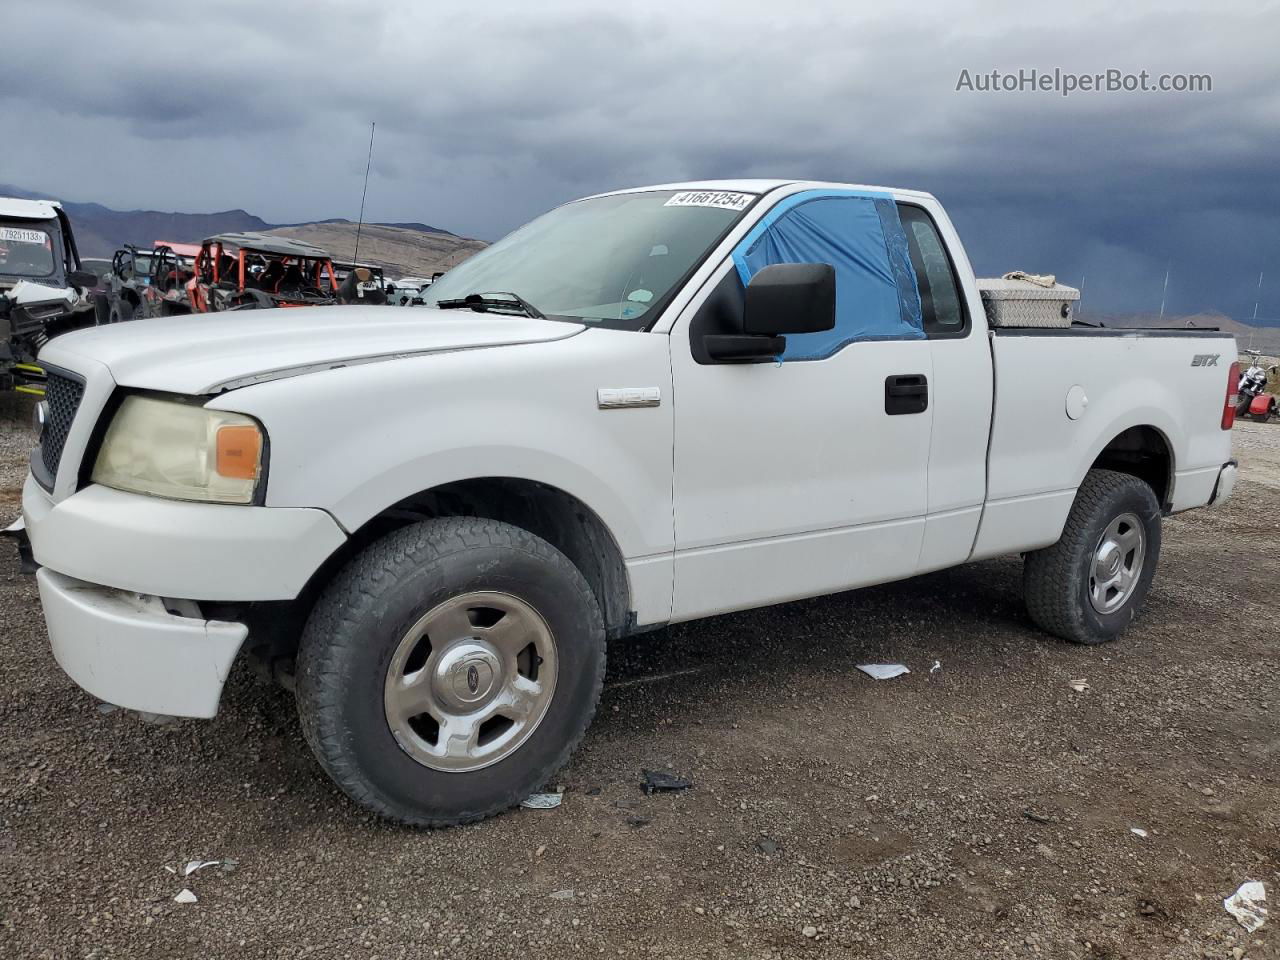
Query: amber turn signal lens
x=239 y=451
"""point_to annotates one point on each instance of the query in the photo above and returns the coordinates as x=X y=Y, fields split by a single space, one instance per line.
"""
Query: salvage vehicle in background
x=642 y=408
x=368 y=282
x=43 y=289
x=237 y=271
x=1251 y=390
x=148 y=283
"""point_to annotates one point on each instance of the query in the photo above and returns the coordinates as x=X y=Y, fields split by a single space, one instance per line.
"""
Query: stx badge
x=1205 y=359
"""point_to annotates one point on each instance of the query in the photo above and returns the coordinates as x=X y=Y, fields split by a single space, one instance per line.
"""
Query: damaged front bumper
x=128 y=649
x=124 y=579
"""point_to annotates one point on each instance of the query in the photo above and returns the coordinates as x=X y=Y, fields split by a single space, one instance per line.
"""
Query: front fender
x=357 y=440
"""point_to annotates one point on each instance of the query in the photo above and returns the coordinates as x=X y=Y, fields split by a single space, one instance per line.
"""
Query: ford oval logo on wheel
x=473 y=678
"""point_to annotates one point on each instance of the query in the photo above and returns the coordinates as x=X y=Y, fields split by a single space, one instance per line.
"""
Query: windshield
x=26 y=250
x=609 y=261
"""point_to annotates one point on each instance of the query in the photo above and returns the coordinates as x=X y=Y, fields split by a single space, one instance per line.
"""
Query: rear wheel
x=1088 y=587
x=449 y=670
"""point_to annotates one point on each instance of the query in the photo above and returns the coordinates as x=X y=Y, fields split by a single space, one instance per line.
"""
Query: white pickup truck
x=644 y=407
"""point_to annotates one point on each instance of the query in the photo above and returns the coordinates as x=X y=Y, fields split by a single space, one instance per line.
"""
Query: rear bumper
x=129 y=650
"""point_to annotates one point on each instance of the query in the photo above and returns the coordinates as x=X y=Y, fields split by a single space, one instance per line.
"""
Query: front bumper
x=129 y=650
x=172 y=548
x=114 y=565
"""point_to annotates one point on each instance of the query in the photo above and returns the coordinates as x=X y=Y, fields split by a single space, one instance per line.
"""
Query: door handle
x=906 y=393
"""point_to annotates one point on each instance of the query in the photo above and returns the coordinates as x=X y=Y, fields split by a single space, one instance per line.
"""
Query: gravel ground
x=980 y=809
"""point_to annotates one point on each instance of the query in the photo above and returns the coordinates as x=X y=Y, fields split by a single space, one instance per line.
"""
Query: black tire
x=357 y=624
x=1055 y=580
x=121 y=311
x=1242 y=406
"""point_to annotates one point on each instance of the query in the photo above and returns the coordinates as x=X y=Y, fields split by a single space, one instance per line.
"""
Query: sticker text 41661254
x=710 y=198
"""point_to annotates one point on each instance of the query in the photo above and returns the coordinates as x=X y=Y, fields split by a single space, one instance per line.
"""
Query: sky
x=488 y=113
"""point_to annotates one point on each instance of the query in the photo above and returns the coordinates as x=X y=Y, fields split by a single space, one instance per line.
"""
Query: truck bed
x=1174 y=380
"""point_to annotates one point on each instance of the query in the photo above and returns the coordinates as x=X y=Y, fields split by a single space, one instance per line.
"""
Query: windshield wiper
x=497 y=300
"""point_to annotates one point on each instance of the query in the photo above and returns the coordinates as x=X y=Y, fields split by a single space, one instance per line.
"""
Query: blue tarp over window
x=861 y=236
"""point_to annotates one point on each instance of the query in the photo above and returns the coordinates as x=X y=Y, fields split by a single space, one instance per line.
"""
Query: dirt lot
x=983 y=809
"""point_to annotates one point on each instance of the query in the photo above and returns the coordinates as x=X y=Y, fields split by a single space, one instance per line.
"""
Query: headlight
x=172 y=449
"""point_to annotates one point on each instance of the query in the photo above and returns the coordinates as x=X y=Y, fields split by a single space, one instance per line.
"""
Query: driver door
x=808 y=475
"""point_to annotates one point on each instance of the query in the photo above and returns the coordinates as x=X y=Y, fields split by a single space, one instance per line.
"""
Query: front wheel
x=1088 y=587
x=449 y=670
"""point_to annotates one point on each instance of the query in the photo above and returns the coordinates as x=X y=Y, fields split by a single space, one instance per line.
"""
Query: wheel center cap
x=1110 y=559
x=467 y=674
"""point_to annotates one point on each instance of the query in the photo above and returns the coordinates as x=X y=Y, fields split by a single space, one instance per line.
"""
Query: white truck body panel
x=742 y=485
x=207 y=353
x=391 y=431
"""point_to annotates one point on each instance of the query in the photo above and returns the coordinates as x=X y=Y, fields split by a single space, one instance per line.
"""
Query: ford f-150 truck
x=643 y=407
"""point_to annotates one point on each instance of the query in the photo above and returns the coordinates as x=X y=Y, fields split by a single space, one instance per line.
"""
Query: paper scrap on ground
x=194 y=865
x=542 y=801
x=1079 y=686
x=186 y=896
x=937 y=665
x=883 y=671
x=1138 y=832
x=1248 y=905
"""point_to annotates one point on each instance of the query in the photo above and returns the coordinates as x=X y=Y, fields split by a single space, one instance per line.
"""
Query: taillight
x=1229 y=408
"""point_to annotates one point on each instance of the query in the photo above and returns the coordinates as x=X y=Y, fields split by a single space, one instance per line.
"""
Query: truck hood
x=212 y=353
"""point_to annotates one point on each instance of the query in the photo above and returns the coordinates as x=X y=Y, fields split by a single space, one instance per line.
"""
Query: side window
x=941 y=306
x=862 y=238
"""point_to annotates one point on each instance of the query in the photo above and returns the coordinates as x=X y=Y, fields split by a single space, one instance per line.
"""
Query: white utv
x=43 y=290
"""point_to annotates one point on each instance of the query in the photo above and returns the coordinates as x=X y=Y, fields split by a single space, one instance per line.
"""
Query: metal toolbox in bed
x=1025 y=303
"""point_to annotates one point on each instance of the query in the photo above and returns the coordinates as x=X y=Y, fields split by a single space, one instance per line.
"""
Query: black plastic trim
x=38 y=469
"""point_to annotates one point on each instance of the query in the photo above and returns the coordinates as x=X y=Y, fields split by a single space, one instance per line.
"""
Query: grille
x=63 y=395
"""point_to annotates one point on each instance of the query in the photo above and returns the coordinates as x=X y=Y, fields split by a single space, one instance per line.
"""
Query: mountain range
x=401 y=249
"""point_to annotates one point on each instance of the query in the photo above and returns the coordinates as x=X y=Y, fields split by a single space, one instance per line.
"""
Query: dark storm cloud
x=490 y=113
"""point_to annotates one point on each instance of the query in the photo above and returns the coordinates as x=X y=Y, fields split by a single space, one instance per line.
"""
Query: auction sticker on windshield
x=15 y=235
x=710 y=198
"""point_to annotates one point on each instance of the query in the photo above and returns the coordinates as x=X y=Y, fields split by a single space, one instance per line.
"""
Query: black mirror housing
x=791 y=298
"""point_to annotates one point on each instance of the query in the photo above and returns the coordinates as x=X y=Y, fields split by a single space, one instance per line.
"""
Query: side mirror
x=791 y=298
x=82 y=278
x=780 y=299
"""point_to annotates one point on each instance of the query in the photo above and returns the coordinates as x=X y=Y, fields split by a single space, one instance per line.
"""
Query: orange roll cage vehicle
x=246 y=271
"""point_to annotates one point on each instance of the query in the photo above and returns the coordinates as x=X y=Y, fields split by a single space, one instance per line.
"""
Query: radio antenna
x=355 y=257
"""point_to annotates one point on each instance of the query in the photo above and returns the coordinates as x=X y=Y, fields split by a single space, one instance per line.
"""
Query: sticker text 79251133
x=710 y=198
x=17 y=235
